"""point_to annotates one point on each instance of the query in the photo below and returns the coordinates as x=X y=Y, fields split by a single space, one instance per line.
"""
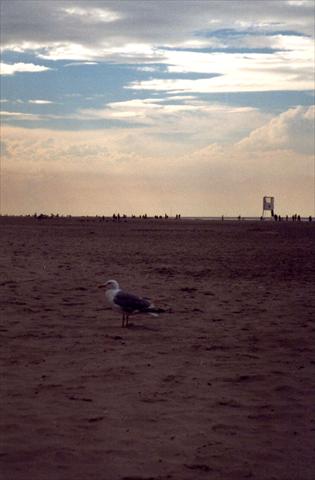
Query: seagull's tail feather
x=154 y=311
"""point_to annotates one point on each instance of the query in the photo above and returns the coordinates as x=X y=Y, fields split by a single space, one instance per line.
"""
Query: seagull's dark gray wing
x=130 y=303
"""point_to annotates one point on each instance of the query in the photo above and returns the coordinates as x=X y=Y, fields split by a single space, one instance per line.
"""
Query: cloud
x=248 y=47
x=128 y=53
x=293 y=129
x=237 y=72
x=59 y=25
x=40 y=102
x=92 y=15
x=19 y=115
x=145 y=22
x=139 y=110
x=188 y=149
x=72 y=173
x=298 y=2
x=11 y=69
x=176 y=124
x=79 y=64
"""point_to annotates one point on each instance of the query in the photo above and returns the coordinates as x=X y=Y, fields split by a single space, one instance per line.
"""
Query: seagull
x=128 y=303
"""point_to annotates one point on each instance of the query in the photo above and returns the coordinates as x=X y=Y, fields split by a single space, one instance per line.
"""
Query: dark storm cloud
x=116 y=23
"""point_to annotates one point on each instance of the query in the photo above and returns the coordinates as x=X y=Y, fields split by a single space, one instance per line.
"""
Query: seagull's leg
x=123 y=320
x=127 y=319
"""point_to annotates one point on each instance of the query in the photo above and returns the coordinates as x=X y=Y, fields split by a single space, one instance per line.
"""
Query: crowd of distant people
x=116 y=217
x=278 y=218
x=294 y=218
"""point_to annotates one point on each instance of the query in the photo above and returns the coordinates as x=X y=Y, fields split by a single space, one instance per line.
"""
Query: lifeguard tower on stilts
x=268 y=206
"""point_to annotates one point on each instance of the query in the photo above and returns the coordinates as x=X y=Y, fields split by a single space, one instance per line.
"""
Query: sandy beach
x=220 y=387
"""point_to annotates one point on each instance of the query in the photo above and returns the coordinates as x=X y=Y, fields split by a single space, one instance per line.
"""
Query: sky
x=157 y=106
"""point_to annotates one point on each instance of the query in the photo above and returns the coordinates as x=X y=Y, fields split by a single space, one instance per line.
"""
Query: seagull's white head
x=110 y=285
